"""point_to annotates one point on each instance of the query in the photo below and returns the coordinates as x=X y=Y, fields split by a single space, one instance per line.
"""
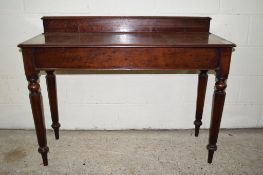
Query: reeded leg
x=217 y=110
x=202 y=82
x=38 y=115
x=52 y=95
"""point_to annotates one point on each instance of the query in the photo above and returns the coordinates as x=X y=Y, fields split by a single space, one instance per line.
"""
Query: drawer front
x=126 y=58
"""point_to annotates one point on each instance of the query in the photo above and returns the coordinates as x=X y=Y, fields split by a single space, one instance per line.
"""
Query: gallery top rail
x=83 y=24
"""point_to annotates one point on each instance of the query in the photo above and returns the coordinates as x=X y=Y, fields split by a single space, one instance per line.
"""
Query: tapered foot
x=197 y=127
x=211 y=149
x=43 y=151
x=56 y=127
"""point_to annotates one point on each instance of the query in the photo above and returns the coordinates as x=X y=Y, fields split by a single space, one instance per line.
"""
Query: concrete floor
x=132 y=152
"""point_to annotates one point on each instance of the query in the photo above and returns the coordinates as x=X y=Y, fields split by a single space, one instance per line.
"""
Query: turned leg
x=52 y=95
x=217 y=110
x=202 y=82
x=38 y=115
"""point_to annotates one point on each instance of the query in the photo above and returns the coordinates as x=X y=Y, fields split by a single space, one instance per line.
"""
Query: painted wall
x=133 y=101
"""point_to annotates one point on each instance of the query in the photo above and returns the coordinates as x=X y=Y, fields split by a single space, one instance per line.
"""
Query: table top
x=129 y=39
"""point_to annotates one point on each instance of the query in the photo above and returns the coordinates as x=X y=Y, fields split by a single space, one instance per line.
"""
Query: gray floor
x=132 y=152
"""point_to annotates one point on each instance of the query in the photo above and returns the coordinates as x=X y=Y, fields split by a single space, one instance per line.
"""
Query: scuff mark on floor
x=15 y=155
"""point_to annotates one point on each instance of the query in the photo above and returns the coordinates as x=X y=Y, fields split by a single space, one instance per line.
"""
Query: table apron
x=125 y=58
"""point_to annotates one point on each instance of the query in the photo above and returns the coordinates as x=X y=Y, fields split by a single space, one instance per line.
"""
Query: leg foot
x=55 y=127
x=43 y=151
x=211 y=149
x=197 y=127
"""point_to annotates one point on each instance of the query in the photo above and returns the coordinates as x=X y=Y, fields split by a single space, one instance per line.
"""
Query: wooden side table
x=126 y=43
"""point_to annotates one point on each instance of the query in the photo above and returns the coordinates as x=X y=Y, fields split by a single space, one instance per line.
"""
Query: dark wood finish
x=218 y=100
x=36 y=102
x=125 y=58
x=82 y=24
x=126 y=43
x=202 y=82
x=130 y=40
x=53 y=102
x=37 y=110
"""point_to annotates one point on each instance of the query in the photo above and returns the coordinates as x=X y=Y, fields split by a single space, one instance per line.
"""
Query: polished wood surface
x=118 y=39
x=84 y=24
x=218 y=100
x=201 y=89
x=126 y=43
x=125 y=58
x=53 y=103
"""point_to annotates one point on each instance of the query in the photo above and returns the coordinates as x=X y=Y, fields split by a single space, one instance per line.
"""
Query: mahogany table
x=126 y=43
